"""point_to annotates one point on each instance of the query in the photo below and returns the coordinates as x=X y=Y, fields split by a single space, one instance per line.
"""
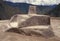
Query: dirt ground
x=9 y=36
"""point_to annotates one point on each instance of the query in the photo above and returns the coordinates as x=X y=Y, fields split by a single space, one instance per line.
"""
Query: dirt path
x=17 y=37
x=55 y=23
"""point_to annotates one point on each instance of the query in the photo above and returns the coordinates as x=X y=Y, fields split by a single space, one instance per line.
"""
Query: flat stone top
x=31 y=15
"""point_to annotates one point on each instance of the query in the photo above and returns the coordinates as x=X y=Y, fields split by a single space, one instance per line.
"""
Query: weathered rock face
x=36 y=20
x=30 y=20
